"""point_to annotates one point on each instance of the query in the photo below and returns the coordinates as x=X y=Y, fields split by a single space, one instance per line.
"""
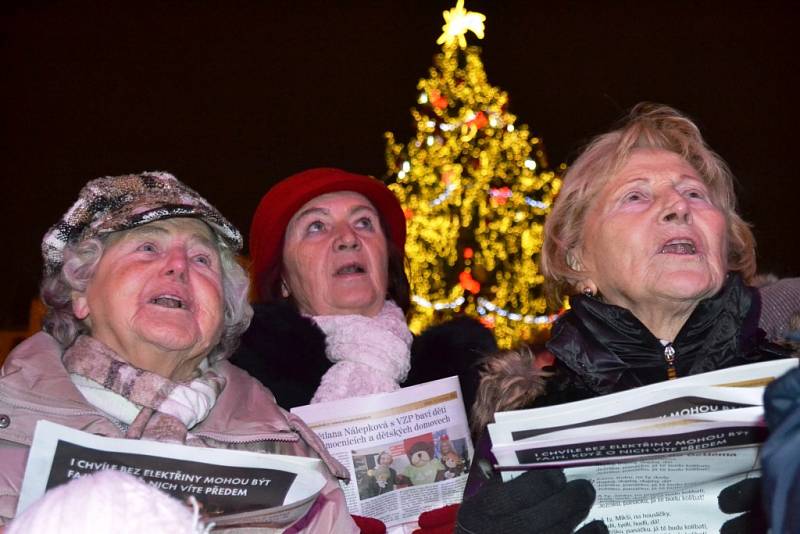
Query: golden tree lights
x=476 y=189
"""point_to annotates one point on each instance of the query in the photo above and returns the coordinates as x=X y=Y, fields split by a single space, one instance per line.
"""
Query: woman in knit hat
x=145 y=303
x=327 y=251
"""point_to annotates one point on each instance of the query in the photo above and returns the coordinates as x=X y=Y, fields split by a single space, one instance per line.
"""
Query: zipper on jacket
x=285 y=436
x=669 y=357
x=37 y=407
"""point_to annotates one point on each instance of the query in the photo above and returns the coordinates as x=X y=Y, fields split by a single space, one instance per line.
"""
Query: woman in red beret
x=327 y=251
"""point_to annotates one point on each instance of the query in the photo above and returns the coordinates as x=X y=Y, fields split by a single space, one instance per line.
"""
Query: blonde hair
x=648 y=126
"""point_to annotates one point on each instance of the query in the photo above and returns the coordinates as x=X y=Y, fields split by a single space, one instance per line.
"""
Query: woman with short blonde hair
x=645 y=241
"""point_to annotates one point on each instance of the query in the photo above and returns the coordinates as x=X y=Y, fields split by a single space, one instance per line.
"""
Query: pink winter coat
x=34 y=385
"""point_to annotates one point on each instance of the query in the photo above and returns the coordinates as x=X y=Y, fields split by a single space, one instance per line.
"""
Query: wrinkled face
x=156 y=296
x=335 y=259
x=653 y=235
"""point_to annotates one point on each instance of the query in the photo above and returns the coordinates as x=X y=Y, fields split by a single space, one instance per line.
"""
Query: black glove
x=539 y=501
x=743 y=496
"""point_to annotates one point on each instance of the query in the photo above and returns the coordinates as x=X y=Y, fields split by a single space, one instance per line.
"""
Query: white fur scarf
x=370 y=354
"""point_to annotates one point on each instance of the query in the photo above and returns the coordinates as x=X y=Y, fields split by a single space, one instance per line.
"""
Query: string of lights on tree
x=475 y=188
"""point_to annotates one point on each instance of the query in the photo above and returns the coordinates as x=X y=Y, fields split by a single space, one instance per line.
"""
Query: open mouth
x=351 y=268
x=679 y=246
x=169 y=301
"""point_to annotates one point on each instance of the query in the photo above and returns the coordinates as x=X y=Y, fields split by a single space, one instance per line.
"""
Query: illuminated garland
x=485 y=307
x=475 y=189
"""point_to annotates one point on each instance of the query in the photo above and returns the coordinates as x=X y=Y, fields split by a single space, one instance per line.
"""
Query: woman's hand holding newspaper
x=537 y=501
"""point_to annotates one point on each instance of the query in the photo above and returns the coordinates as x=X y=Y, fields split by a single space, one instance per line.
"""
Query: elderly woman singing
x=645 y=240
x=145 y=303
x=327 y=249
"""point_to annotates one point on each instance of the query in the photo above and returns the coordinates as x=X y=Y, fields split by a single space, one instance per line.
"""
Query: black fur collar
x=284 y=351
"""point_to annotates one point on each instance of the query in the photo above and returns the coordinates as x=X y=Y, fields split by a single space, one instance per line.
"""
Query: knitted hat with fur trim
x=115 y=203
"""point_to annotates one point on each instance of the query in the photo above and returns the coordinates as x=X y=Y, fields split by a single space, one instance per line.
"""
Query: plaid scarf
x=168 y=408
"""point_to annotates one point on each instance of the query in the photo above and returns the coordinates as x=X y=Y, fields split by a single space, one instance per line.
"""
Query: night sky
x=231 y=96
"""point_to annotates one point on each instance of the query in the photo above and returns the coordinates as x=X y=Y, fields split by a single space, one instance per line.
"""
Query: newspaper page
x=672 y=401
x=743 y=376
x=630 y=440
x=407 y=451
x=677 y=456
x=231 y=487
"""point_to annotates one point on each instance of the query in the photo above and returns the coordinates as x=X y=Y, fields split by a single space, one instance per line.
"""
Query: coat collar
x=609 y=349
x=245 y=410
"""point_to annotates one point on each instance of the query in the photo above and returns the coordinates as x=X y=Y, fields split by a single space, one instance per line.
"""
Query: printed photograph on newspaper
x=408 y=451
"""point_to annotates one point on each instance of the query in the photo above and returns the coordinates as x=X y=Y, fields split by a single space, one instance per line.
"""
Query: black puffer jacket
x=286 y=352
x=600 y=348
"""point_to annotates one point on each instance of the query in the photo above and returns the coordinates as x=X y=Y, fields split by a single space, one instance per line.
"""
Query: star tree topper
x=457 y=22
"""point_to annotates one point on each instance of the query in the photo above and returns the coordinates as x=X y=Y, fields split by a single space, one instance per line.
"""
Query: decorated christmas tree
x=476 y=188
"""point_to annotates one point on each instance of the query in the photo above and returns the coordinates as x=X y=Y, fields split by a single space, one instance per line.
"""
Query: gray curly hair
x=80 y=263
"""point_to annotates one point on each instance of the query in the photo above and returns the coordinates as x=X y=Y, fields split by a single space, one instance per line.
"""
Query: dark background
x=231 y=96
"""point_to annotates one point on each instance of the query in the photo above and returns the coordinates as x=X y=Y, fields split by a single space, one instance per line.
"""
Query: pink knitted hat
x=107 y=502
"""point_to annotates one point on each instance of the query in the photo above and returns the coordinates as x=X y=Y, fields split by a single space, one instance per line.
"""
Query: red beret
x=283 y=200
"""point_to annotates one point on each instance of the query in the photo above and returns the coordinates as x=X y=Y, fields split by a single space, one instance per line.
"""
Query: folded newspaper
x=407 y=451
x=233 y=488
x=676 y=456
